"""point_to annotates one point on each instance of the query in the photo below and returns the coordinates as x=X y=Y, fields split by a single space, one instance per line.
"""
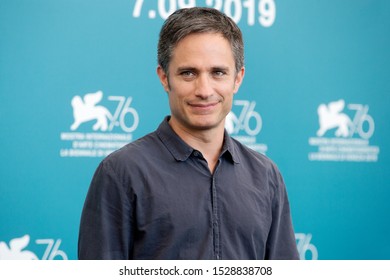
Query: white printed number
x=52 y=249
x=123 y=114
x=305 y=248
x=261 y=11
x=247 y=120
x=362 y=123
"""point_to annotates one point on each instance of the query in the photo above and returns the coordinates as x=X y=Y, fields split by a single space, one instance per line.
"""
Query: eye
x=219 y=72
x=187 y=74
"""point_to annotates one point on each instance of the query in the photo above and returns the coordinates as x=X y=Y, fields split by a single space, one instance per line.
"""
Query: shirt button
x=196 y=154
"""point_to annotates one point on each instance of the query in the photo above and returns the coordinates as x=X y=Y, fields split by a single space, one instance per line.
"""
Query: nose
x=204 y=87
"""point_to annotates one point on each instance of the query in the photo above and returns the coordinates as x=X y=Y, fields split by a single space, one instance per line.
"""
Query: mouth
x=203 y=107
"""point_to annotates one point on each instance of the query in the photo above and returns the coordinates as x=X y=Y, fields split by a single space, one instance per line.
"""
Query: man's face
x=201 y=82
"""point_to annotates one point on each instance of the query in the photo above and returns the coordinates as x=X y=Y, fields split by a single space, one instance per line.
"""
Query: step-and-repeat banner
x=78 y=81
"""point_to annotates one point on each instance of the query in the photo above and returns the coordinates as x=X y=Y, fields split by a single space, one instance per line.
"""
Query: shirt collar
x=181 y=150
x=230 y=148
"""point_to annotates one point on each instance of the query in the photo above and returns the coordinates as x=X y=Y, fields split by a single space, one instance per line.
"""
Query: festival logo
x=85 y=110
x=331 y=117
x=97 y=130
x=244 y=124
x=17 y=249
x=344 y=133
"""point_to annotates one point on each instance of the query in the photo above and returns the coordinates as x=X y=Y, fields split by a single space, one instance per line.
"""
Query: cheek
x=229 y=103
x=180 y=88
x=173 y=100
x=228 y=93
x=176 y=99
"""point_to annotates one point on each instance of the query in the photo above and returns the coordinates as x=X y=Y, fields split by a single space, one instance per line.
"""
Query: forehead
x=203 y=46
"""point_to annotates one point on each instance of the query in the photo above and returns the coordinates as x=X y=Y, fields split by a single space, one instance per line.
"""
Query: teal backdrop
x=78 y=80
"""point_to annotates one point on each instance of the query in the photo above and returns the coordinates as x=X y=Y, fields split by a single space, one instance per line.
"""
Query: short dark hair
x=188 y=21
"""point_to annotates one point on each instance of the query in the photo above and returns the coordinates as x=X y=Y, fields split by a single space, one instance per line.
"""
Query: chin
x=206 y=124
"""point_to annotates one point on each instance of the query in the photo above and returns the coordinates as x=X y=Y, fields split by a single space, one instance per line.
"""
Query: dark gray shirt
x=156 y=199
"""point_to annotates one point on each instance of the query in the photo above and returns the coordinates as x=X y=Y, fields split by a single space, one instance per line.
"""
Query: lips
x=203 y=108
x=204 y=105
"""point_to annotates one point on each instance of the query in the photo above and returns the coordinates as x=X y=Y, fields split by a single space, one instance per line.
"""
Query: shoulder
x=133 y=154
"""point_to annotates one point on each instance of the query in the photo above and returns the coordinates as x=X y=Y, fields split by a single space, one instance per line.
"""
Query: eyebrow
x=194 y=69
x=185 y=68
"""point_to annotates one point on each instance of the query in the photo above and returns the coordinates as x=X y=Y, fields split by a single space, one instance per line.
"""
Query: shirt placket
x=215 y=218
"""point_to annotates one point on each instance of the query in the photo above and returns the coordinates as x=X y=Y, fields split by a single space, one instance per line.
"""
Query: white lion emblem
x=86 y=110
x=15 y=249
x=331 y=117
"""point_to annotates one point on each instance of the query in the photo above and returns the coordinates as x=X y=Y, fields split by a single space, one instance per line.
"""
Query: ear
x=238 y=80
x=163 y=78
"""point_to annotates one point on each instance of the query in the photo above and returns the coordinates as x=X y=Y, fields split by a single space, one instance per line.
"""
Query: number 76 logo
x=304 y=246
x=247 y=120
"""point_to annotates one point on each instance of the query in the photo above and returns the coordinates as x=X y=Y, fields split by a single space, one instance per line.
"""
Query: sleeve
x=106 y=222
x=281 y=244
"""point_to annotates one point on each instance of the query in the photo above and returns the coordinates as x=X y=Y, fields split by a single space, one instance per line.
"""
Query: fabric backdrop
x=78 y=80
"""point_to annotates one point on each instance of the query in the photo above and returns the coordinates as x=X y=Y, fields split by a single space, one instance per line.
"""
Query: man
x=188 y=190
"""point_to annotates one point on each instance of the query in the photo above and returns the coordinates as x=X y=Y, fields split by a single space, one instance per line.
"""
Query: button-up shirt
x=156 y=198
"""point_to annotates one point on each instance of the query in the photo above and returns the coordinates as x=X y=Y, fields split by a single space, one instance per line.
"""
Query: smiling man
x=200 y=81
x=188 y=190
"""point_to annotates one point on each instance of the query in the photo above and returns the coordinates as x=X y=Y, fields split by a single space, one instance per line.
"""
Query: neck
x=209 y=141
